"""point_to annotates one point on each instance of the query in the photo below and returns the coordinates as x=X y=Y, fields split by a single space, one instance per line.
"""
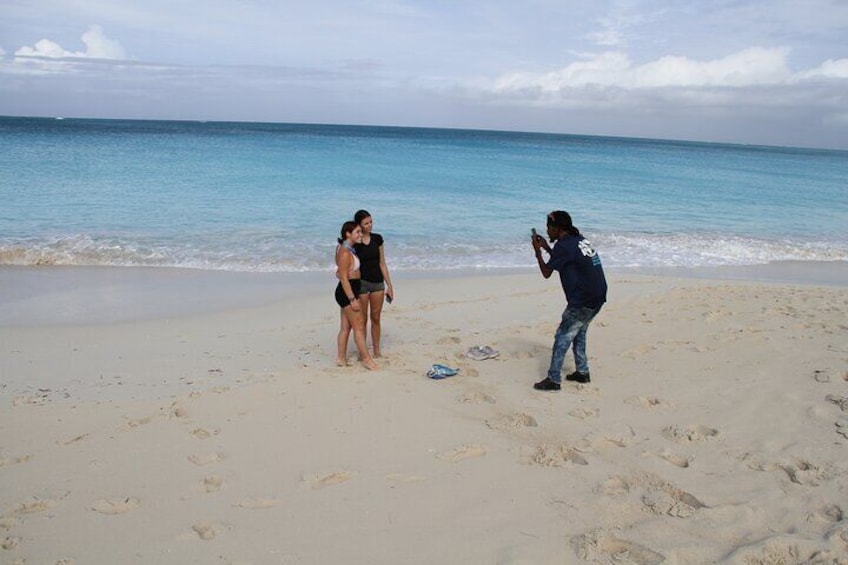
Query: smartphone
x=388 y=299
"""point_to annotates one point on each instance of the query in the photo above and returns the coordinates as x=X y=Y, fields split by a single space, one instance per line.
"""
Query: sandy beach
x=159 y=416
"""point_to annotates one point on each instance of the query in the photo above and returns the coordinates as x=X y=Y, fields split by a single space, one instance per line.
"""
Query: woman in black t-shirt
x=376 y=283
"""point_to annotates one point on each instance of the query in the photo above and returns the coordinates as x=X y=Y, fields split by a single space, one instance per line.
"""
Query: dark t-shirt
x=370 y=257
x=580 y=271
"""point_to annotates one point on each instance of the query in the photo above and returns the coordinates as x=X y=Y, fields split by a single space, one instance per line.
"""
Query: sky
x=763 y=72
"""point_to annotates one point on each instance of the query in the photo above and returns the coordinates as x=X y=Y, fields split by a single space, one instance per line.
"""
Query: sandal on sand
x=441 y=371
x=481 y=353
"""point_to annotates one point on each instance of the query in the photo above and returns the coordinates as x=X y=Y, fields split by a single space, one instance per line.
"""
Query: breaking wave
x=264 y=254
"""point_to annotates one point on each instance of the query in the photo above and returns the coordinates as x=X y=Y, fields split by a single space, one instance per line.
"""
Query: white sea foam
x=288 y=255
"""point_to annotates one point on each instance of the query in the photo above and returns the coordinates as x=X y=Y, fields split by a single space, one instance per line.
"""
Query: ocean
x=262 y=197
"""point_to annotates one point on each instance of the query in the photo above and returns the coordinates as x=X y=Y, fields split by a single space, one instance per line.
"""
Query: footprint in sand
x=584 y=389
x=6 y=461
x=841 y=401
x=677 y=459
x=663 y=498
x=805 y=473
x=205 y=530
x=714 y=315
x=842 y=428
x=326 y=480
x=605 y=440
x=139 y=422
x=584 y=413
x=10 y=542
x=784 y=548
x=512 y=422
x=602 y=547
x=206 y=458
x=254 y=503
x=115 y=505
x=831 y=513
x=614 y=486
x=671 y=502
x=178 y=411
x=821 y=376
x=556 y=456
x=200 y=433
x=756 y=462
x=798 y=471
x=658 y=496
x=689 y=434
x=34 y=506
x=648 y=402
x=212 y=483
x=461 y=453
x=477 y=397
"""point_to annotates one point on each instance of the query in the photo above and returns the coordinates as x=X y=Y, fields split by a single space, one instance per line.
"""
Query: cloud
x=97 y=46
x=829 y=69
x=613 y=69
x=751 y=94
x=750 y=67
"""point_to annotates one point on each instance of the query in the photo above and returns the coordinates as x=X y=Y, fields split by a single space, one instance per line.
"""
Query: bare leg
x=357 y=322
x=342 y=339
x=363 y=309
x=376 y=307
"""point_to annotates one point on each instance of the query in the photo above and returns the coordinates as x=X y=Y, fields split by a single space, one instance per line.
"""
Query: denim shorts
x=369 y=287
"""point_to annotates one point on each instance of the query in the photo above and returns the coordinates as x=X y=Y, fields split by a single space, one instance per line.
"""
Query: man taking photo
x=585 y=286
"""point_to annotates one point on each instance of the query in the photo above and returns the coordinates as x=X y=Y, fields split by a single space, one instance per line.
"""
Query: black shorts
x=341 y=297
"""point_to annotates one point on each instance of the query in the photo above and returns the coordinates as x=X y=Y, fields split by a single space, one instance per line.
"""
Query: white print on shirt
x=586 y=248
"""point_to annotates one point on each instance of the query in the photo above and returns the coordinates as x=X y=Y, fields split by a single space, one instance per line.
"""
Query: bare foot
x=341 y=362
x=377 y=353
x=370 y=364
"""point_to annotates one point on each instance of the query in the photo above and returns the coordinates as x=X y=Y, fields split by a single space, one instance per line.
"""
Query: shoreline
x=71 y=295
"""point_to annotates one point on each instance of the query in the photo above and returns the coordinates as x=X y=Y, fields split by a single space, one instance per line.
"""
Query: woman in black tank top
x=376 y=283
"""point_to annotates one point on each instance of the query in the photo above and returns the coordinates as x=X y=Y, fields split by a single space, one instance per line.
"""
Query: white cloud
x=97 y=46
x=44 y=48
x=829 y=69
x=753 y=66
x=747 y=68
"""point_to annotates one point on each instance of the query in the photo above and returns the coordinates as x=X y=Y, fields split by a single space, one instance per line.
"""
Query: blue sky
x=769 y=72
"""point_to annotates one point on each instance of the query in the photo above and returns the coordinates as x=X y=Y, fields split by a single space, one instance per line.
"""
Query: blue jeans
x=572 y=330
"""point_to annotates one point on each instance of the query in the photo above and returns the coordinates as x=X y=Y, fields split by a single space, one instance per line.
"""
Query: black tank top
x=370 y=257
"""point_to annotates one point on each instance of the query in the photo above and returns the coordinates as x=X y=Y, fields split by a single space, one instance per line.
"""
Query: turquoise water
x=271 y=197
